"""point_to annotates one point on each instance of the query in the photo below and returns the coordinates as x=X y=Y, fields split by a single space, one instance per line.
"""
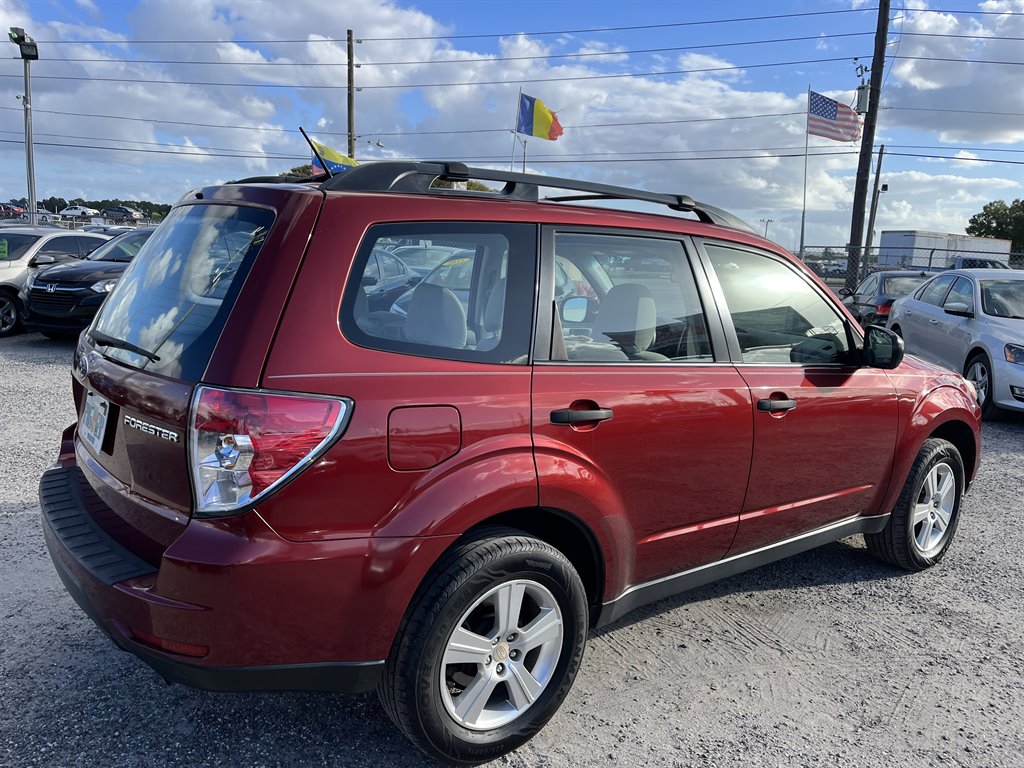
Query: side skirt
x=667 y=586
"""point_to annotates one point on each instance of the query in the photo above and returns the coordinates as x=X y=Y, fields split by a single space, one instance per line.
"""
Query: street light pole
x=29 y=53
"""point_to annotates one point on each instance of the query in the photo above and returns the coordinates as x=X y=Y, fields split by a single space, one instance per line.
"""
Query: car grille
x=58 y=301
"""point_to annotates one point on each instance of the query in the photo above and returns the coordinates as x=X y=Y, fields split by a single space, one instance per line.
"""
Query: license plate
x=94 y=421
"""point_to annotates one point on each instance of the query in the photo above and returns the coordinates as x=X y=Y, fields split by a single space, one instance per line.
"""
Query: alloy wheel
x=502 y=655
x=8 y=314
x=934 y=508
x=978 y=375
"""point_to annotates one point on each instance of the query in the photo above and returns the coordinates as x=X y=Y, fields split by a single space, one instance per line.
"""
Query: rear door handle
x=572 y=416
x=771 y=406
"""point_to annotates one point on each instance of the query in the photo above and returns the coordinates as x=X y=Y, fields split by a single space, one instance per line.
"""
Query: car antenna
x=316 y=152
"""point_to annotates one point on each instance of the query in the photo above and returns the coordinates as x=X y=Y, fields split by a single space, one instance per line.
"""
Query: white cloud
x=88 y=5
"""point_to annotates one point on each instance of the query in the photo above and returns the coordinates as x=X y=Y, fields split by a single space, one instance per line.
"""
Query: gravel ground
x=826 y=659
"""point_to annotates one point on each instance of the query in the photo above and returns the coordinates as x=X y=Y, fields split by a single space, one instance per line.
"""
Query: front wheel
x=489 y=648
x=10 y=315
x=978 y=371
x=927 y=512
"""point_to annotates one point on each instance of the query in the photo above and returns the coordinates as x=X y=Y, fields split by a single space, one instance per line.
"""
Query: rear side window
x=175 y=296
x=475 y=304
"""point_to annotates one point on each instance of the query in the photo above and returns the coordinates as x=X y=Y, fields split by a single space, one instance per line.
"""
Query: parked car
x=267 y=490
x=385 y=278
x=872 y=300
x=79 y=212
x=970 y=321
x=62 y=299
x=120 y=213
x=9 y=211
x=423 y=258
x=25 y=248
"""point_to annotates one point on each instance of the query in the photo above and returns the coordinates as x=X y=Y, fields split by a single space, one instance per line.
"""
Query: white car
x=970 y=321
x=78 y=211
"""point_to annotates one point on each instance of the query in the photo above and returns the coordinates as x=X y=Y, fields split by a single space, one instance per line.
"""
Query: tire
x=10 y=315
x=925 y=518
x=898 y=331
x=428 y=671
x=978 y=371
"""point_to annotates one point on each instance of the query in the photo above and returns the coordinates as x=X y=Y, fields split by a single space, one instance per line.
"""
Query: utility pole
x=351 y=98
x=874 y=204
x=766 y=222
x=29 y=53
x=867 y=142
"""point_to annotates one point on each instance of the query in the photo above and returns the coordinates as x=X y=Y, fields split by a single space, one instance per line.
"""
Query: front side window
x=626 y=299
x=60 y=246
x=475 y=304
x=962 y=292
x=777 y=315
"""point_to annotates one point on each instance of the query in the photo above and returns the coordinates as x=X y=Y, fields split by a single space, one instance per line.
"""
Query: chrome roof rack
x=418 y=178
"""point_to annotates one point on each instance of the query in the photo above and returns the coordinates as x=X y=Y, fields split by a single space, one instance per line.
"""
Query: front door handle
x=771 y=406
x=573 y=416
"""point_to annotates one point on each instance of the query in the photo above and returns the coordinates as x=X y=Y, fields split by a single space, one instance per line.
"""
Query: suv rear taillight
x=884 y=308
x=245 y=444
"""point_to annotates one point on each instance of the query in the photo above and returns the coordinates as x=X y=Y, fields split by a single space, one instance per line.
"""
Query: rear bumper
x=233 y=606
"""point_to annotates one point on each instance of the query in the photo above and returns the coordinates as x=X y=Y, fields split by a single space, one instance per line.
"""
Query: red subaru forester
x=301 y=463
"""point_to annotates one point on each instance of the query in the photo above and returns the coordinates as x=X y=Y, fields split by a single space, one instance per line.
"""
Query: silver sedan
x=972 y=322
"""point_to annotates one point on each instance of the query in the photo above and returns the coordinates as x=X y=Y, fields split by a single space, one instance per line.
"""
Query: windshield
x=1003 y=298
x=14 y=246
x=173 y=299
x=454 y=274
x=121 y=248
x=421 y=258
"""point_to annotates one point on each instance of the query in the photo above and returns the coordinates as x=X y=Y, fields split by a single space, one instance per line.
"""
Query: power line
x=466 y=37
x=402 y=86
x=483 y=59
x=538 y=160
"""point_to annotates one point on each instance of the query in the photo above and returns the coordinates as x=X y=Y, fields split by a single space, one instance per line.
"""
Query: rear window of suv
x=175 y=296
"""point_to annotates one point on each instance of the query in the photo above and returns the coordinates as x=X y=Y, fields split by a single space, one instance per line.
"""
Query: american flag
x=829 y=118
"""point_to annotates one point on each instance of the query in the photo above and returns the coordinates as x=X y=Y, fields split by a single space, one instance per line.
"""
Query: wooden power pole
x=867 y=142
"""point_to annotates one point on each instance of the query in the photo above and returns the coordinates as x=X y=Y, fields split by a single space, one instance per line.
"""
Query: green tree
x=997 y=219
x=302 y=171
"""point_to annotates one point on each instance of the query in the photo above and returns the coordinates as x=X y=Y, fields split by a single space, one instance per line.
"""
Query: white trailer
x=936 y=250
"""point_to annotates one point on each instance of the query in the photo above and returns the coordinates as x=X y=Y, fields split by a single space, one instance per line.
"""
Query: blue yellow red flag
x=535 y=119
x=336 y=162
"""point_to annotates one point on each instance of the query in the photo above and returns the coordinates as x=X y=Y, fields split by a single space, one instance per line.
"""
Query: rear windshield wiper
x=111 y=341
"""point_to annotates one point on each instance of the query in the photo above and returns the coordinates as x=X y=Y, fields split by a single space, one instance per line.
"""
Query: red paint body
x=687 y=472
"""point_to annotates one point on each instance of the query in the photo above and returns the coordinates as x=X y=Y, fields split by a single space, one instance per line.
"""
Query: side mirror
x=844 y=291
x=958 y=308
x=882 y=348
x=414 y=280
x=42 y=260
x=368 y=281
x=574 y=309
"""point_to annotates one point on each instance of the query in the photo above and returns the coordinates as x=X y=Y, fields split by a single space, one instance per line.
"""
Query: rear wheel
x=978 y=371
x=898 y=331
x=10 y=315
x=925 y=518
x=489 y=649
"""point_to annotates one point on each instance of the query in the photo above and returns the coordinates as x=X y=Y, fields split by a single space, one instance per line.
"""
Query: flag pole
x=524 y=155
x=515 y=128
x=803 y=215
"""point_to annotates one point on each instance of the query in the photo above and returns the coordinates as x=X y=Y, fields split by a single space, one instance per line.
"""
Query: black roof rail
x=417 y=178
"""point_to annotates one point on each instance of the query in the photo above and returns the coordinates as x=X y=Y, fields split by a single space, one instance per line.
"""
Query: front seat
x=436 y=317
x=628 y=318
